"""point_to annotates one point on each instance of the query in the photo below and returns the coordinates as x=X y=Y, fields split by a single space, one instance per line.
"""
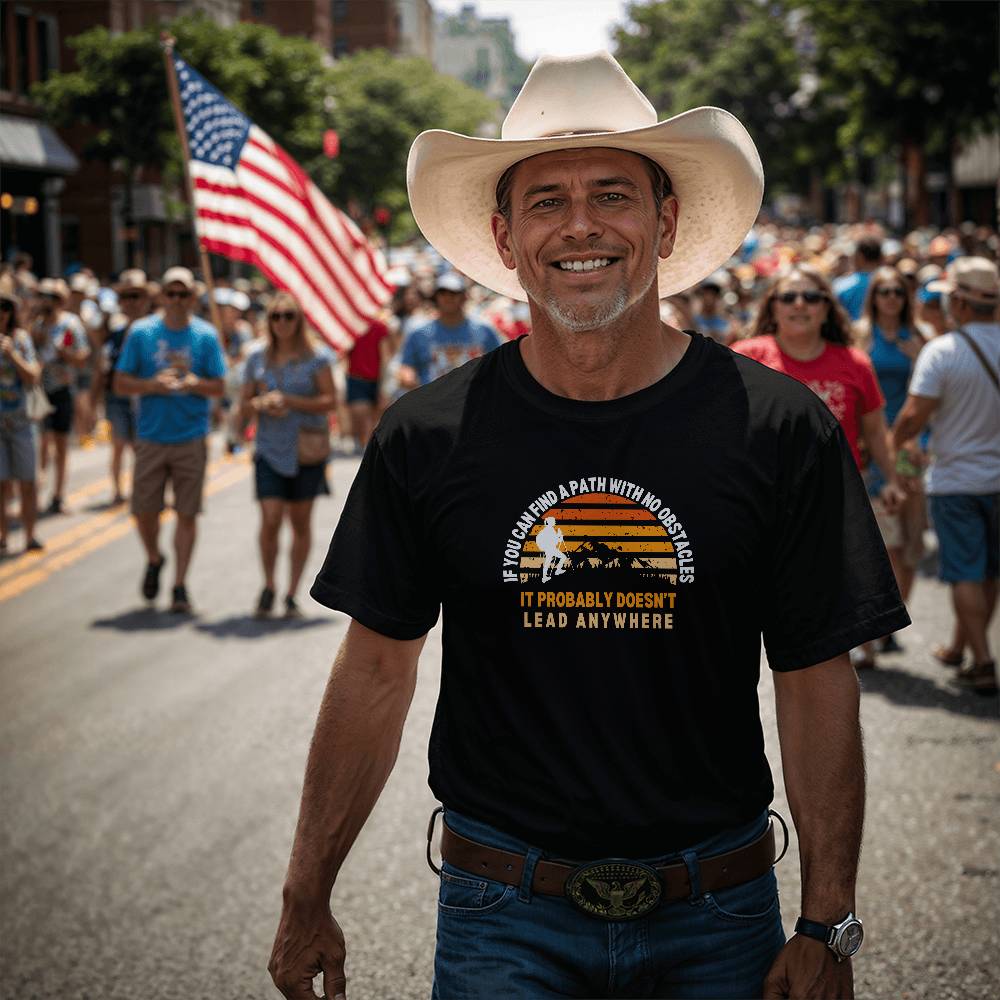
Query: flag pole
x=167 y=41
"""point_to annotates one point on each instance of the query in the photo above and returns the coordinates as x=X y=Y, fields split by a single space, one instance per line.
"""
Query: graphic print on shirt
x=833 y=394
x=598 y=552
x=179 y=359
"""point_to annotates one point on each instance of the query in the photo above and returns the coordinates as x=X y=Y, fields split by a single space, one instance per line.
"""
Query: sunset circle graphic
x=596 y=531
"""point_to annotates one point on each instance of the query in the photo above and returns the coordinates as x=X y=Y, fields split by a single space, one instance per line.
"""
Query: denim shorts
x=361 y=390
x=120 y=411
x=968 y=530
x=497 y=940
x=307 y=484
x=17 y=450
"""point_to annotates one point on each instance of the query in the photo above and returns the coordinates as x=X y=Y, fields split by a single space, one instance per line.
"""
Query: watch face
x=850 y=939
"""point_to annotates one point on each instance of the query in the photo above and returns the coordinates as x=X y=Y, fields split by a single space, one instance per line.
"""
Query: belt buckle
x=614 y=889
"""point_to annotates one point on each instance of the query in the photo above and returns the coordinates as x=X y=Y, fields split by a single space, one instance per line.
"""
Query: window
x=338 y=10
x=257 y=9
x=341 y=46
x=48 y=51
x=23 y=26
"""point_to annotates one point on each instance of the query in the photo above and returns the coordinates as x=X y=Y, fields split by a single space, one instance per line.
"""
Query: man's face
x=584 y=234
x=450 y=305
x=133 y=302
x=177 y=302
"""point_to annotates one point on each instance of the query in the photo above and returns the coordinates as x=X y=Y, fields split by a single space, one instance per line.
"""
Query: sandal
x=265 y=603
x=946 y=656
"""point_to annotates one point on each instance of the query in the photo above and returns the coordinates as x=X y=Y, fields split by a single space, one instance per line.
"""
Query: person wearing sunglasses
x=173 y=362
x=288 y=389
x=19 y=372
x=803 y=331
x=889 y=333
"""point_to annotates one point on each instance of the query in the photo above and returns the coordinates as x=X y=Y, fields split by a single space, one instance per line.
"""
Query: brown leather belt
x=717 y=872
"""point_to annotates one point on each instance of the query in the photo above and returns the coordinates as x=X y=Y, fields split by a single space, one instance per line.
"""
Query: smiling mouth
x=577 y=266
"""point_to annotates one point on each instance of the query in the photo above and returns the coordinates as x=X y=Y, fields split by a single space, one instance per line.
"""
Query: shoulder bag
x=982 y=358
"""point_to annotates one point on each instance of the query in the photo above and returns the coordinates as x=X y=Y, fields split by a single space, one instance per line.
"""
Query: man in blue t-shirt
x=851 y=289
x=446 y=342
x=173 y=362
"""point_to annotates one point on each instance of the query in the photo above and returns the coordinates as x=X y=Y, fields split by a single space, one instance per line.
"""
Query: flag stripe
x=263 y=217
x=254 y=203
x=240 y=234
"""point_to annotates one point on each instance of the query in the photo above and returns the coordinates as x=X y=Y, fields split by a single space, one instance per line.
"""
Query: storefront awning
x=33 y=145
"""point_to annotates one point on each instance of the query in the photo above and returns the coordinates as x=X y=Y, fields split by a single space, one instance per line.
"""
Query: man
x=597 y=742
x=134 y=295
x=174 y=364
x=710 y=320
x=956 y=388
x=63 y=349
x=852 y=288
x=447 y=341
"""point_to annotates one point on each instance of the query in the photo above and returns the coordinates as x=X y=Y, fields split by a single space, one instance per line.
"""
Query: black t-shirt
x=606 y=570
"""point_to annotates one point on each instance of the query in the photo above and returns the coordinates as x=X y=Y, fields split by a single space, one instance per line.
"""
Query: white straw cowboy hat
x=577 y=103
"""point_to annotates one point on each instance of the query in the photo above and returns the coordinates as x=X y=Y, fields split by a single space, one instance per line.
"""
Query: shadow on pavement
x=142 y=619
x=904 y=688
x=249 y=627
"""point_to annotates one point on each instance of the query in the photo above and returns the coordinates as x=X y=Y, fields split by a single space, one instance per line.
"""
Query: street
x=152 y=767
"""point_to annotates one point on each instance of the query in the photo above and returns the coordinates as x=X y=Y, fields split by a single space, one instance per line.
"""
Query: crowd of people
x=856 y=314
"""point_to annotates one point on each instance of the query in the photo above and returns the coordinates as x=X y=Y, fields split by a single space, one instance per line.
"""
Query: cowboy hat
x=54 y=287
x=132 y=279
x=584 y=102
x=976 y=278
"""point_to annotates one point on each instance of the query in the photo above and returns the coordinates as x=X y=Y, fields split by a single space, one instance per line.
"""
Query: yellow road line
x=91 y=524
x=41 y=569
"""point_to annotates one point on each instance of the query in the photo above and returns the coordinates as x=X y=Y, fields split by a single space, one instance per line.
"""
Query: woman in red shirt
x=802 y=330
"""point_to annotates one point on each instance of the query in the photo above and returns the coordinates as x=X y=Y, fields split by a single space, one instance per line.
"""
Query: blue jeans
x=496 y=940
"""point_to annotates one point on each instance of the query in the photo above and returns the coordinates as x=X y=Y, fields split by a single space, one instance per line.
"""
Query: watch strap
x=810 y=928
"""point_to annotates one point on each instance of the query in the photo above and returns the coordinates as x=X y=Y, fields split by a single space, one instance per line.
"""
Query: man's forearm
x=352 y=754
x=824 y=769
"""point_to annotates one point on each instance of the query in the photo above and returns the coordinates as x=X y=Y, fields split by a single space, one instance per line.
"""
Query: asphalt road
x=151 y=770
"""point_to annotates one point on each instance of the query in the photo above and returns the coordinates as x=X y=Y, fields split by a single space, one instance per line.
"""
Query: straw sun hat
x=579 y=103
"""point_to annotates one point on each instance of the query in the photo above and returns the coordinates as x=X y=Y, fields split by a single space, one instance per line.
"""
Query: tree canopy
x=822 y=84
x=286 y=85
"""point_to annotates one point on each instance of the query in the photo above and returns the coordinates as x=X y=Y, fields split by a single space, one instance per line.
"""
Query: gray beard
x=582 y=319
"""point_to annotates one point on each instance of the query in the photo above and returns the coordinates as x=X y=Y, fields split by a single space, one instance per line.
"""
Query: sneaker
x=265 y=604
x=34 y=545
x=55 y=506
x=180 y=605
x=292 y=610
x=151 y=580
x=979 y=677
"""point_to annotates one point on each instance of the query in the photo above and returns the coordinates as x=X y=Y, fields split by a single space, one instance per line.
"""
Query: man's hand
x=806 y=969
x=308 y=942
x=6 y=345
x=165 y=380
x=893 y=497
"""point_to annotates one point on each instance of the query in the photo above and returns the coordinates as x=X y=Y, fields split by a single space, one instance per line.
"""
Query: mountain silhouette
x=596 y=555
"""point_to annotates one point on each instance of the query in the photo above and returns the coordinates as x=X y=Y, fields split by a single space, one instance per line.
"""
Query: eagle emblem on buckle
x=614 y=890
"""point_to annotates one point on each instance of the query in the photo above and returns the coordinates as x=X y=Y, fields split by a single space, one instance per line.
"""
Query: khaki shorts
x=904 y=530
x=183 y=464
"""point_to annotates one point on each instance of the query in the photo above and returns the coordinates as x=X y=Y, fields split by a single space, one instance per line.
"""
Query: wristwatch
x=843 y=939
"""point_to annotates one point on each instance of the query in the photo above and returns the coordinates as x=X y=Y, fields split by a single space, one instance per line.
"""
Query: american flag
x=254 y=203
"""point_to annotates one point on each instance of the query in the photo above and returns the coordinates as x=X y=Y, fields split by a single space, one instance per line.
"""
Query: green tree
x=284 y=84
x=741 y=55
x=906 y=78
x=381 y=104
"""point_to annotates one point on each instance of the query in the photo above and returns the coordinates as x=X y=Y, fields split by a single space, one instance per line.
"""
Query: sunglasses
x=886 y=292
x=810 y=298
x=288 y=317
x=133 y=296
x=177 y=295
